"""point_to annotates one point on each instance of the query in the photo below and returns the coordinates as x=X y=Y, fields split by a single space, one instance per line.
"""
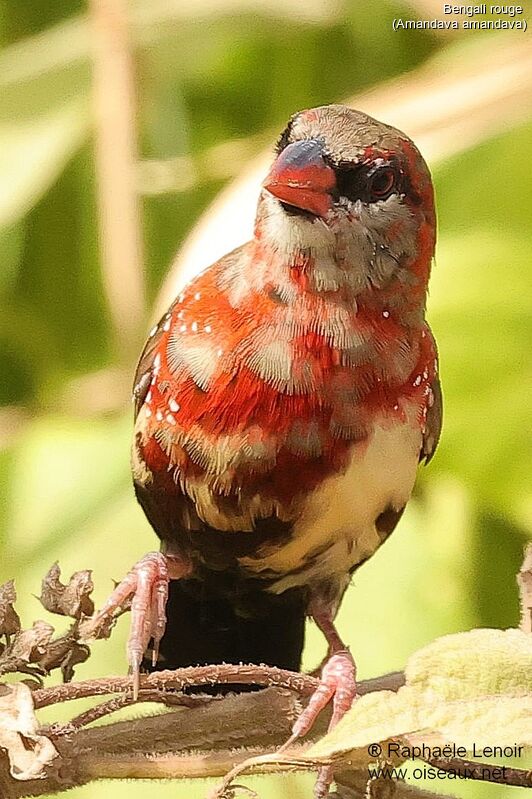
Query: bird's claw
x=147 y=585
x=337 y=683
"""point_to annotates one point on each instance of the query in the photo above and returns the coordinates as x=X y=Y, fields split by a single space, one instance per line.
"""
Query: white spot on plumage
x=197 y=295
x=417 y=381
x=180 y=314
x=197 y=359
x=386 y=314
x=269 y=355
x=208 y=329
x=183 y=329
x=194 y=327
x=148 y=396
x=219 y=352
x=154 y=330
x=173 y=405
x=272 y=362
x=166 y=326
x=147 y=412
x=159 y=416
x=157 y=363
x=170 y=418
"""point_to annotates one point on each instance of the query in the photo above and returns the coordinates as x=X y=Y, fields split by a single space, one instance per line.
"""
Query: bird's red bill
x=301 y=178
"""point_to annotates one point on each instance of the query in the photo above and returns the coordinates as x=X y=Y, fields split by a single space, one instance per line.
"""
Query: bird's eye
x=367 y=183
x=381 y=182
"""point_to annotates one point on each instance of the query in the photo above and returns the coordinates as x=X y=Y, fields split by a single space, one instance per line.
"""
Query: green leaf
x=461 y=689
x=34 y=151
x=44 y=113
x=474 y=664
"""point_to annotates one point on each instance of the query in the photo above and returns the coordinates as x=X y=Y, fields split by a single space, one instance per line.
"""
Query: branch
x=206 y=740
x=195 y=676
x=126 y=700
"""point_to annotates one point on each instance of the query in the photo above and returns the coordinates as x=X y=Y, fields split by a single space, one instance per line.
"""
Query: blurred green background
x=208 y=73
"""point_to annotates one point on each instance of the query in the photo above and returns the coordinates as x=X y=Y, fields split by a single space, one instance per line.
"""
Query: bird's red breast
x=240 y=387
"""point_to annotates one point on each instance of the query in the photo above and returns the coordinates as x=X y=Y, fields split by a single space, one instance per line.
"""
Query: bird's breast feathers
x=338 y=524
x=311 y=414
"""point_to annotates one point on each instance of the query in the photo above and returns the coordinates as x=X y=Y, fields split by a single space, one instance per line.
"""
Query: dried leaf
x=9 y=620
x=29 y=753
x=64 y=653
x=72 y=599
x=78 y=653
x=30 y=645
x=88 y=631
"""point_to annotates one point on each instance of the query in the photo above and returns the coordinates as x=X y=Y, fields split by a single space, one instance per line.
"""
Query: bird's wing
x=431 y=434
x=144 y=370
x=434 y=403
x=178 y=319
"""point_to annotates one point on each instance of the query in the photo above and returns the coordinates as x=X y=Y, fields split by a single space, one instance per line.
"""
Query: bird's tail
x=206 y=628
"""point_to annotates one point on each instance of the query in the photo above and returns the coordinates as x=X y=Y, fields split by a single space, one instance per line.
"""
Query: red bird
x=283 y=404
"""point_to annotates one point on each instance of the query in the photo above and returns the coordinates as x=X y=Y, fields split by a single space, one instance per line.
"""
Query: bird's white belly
x=336 y=529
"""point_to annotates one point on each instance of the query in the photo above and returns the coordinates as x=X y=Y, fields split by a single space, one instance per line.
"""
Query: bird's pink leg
x=147 y=584
x=337 y=683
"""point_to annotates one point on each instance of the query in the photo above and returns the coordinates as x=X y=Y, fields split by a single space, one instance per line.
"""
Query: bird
x=282 y=406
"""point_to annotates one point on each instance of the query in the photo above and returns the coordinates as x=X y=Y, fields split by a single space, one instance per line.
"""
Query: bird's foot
x=147 y=586
x=337 y=684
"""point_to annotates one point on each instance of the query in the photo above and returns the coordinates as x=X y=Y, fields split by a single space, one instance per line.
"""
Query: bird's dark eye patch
x=368 y=182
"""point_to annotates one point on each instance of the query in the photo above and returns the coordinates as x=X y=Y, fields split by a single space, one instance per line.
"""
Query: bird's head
x=352 y=192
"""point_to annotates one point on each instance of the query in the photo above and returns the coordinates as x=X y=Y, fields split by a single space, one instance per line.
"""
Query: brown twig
x=125 y=700
x=181 y=679
x=178 y=680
